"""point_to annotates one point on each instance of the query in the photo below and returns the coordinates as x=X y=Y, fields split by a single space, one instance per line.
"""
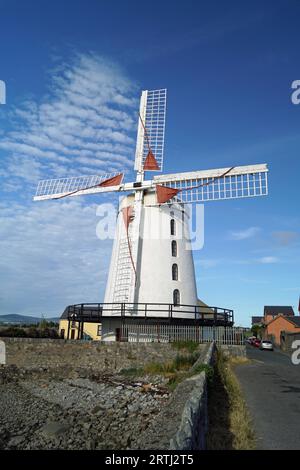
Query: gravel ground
x=40 y=409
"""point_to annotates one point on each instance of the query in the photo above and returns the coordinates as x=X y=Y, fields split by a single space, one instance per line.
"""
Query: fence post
x=215 y=316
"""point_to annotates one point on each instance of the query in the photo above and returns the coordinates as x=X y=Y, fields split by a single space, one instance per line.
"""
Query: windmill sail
x=77 y=186
x=151 y=131
x=211 y=185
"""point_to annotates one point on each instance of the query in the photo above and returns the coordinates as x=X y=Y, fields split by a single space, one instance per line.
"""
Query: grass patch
x=132 y=371
x=175 y=371
x=230 y=425
x=209 y=371
x=190 y=346
x=181 y=362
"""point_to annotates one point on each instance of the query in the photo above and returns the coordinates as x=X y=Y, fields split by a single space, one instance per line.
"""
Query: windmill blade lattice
x=151 y=128
x=76 y=186
x=211 y=185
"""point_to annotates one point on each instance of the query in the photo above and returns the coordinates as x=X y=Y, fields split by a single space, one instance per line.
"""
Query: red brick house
x=281 y=323
x=270 y=312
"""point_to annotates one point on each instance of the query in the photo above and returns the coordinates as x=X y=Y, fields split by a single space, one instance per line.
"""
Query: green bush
x=13 y=331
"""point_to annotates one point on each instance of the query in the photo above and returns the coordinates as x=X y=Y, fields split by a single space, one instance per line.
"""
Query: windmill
x=157 y=270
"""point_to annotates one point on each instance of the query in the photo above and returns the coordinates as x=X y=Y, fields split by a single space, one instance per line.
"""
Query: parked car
x=265 y=344
x=251 y=339
x=257 y=343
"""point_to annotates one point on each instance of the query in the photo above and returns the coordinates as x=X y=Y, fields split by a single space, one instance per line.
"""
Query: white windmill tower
x=151 y=261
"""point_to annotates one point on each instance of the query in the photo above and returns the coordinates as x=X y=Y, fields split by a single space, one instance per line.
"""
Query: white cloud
x=268 y=260
x=50 y=257
x=49 y=253
x=208 y=262
x=87 y=117
x=244 y=234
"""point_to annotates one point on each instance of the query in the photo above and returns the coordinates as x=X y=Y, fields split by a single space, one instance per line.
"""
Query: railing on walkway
x=147 y=311
x=142 y=333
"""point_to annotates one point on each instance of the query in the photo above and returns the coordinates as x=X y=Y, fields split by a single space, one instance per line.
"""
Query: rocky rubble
x=44 y=408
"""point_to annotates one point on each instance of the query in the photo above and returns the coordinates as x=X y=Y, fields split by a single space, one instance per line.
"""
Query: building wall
x=275 y=328
x=90 y=329
x=268 y=318
x=155 y=260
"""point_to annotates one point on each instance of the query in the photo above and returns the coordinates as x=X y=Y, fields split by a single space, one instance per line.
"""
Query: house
x=279 y=324
x=256 y=320
x=270 y=312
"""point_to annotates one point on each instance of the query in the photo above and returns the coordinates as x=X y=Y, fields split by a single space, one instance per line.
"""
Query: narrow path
x=271 y=385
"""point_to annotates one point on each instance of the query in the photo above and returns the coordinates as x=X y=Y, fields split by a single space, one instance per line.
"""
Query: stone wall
x=191 y=434
x=181 y=424
x=110 y=357
x=233 y=350
x=287 y=339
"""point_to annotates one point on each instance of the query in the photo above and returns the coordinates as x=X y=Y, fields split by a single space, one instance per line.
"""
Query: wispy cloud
x=208 y=263
x=49 y=253
x=268 y=260
x=244 y=234
x=50 y=257
x=87 y=119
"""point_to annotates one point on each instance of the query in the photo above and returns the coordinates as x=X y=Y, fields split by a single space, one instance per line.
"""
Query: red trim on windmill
x=150 y=162
x=164 y=193
x=114 y=181
x=127 y=215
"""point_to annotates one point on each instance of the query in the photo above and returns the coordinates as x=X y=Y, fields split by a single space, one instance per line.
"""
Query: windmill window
x=176 y=297
x=174 y=248
x=173 y=227
x=175 y=272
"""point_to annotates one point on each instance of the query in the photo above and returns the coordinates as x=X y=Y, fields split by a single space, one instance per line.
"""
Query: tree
x=43 y=323
x=256 y=329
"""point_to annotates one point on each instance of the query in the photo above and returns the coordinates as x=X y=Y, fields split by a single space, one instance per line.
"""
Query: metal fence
x=159 y=333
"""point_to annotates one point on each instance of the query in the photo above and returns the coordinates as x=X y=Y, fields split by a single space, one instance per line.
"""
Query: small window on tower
x=173 y=227
x=174 y=248
x=176 y=297
x=175 y=272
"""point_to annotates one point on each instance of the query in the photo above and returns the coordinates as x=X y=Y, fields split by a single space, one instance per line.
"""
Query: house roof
x=294 y=320
x=278 y=310
x=256 y=320
x=87 y=310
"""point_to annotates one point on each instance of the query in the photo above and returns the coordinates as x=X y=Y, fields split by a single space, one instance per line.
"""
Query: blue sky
x=228 y=68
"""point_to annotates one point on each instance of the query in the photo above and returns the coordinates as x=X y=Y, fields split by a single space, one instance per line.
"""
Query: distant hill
x=23 y=319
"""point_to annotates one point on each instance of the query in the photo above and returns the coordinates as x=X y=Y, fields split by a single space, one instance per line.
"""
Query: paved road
x=271 y=384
